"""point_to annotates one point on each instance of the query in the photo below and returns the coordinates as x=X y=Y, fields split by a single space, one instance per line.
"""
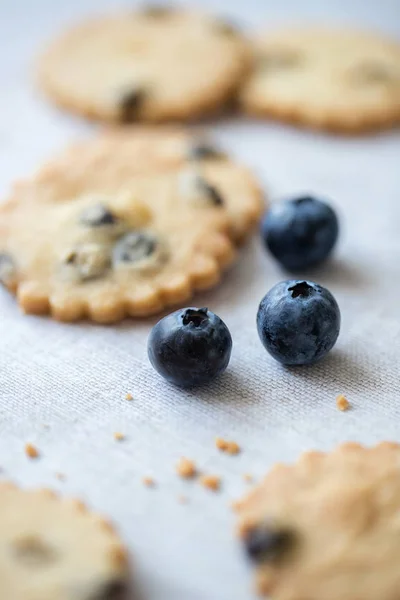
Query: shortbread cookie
x=107 y=243
x=153 y=64
x=330 y=79
x=155 y=149
x=54 y=549
x=328 y=527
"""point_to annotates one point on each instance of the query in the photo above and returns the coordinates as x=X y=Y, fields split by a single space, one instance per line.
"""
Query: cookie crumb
x=45 y=426
x=60 y=476
x=148 y=482
x=186 y=468
x=211 y=482
x=342 y=403
x=228 y=447
x=118 y=436
x=248 y=477
x=31 y=451
x=128 y=397
x=183 y=499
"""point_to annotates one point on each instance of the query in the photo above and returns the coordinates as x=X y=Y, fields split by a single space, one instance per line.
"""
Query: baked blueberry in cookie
x=97 y=215
x=7 y=268
x=134 y=246
x=266 y=542
x=298 y=322
x=204 y=151
x=190 y=347
x=87 y=261
x=196 y=188
x=130 y=103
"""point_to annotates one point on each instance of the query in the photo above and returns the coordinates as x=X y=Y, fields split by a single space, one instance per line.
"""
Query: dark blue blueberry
x=190 y=347
x=300 y=233
x=265 y=542
x=298 y=322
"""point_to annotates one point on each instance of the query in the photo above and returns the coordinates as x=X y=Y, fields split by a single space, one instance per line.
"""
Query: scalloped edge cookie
x=325 y=78
x=145 y=65
x=327 y=526
x=56 y=548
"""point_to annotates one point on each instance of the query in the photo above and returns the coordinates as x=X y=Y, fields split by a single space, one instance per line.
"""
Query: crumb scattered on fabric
x=45 y=426
x=248 y=477
x=129 y=397
x=61 y=476
x=342 y=403
x=119 y=436
x=183 y=499
x=148 y=481
x=211 y=482
x=228 y=447
x=31 y=451
x=186 y=468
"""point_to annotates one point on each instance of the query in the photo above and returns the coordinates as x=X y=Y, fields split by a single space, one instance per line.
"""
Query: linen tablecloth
x=74 y=378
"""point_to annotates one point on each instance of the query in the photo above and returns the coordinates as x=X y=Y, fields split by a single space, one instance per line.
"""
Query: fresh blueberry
x=300 y=233
x=298 y=322
x=190 y=346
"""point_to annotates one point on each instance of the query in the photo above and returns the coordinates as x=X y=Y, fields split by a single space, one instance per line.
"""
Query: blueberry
x=300 y=233
x=130 y=102
x=96 y=216
x=190 y=346
x=265 y=542
x=298 y=322
x=134 y=246
x=7 y=268
x=203 y=150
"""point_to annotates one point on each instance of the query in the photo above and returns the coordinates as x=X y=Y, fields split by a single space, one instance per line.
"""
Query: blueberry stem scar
x=195 y=316
x=301 y=289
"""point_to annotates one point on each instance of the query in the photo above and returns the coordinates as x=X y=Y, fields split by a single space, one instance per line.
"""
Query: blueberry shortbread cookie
x=330 y=79
x=54 y=549
x=328 y=527
x=97 y=240
x=152 y=64
x=156 y=149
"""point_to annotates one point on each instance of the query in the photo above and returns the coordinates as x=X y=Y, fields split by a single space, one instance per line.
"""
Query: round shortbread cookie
x=327 y=527
x=55 y=549
x=91 y=237
x=153 y=64
x=156 y=149
x=330 y=79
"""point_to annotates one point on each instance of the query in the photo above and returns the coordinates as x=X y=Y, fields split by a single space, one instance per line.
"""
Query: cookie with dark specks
x=339 y=80
x=84 y=239
x=55 y=549
x=327 y=527
x=156 y=149
x=154 y=64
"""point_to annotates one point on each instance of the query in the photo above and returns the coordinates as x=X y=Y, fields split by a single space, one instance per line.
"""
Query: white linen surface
x=74 y=378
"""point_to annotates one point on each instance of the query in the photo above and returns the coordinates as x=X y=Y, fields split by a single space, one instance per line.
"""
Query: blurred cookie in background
x=333 y=79
x=155 y=64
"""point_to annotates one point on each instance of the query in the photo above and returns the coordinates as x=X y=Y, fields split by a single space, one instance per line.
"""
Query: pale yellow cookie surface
x=328 y=527
x=325 y=78
x=156 y=149
x=88 y=237
x=55 y=549
x=150 y=65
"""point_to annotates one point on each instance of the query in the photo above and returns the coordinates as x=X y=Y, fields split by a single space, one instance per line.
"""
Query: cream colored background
x=74 y=378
